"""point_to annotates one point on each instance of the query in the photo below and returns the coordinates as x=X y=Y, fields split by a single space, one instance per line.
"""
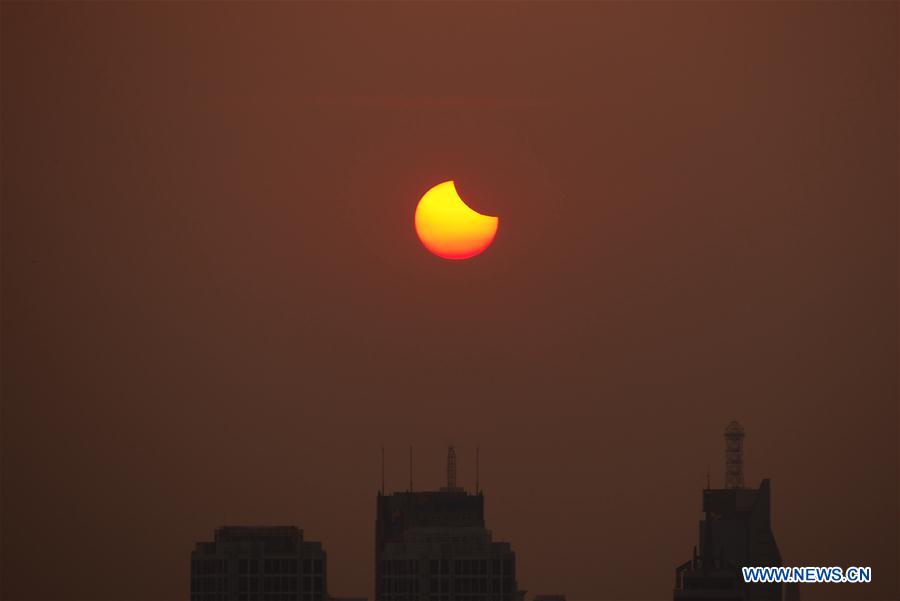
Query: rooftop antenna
x=477 y=471
x=410 y=468
x=382 y=469
x=734 y=455
x=451 y=468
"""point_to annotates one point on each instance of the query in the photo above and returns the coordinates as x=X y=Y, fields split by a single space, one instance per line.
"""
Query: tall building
x=258 y=563
x=734 y=533
x=433 y=546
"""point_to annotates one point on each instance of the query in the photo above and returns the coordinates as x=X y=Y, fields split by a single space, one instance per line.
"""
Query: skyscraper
x=734 y=533
x=258 y=563
x=433 y=546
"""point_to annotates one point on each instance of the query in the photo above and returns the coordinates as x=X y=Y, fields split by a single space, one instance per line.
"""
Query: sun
x=449 y=228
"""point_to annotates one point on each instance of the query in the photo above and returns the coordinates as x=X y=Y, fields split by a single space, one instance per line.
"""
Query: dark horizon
x=215 y=308
x=440 y=541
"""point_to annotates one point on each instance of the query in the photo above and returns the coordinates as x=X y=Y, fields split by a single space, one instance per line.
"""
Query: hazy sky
x=215 y=308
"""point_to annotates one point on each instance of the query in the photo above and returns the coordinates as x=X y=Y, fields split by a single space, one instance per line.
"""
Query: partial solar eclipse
x=449 y=228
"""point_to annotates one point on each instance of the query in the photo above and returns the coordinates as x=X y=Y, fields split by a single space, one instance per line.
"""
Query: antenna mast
x=734 y=455
x=451 y=468
x=477 y=471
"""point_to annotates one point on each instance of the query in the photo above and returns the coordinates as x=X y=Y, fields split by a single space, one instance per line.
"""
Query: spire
x=451 y=468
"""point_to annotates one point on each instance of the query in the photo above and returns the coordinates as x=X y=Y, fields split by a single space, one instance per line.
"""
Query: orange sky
x=216 y=309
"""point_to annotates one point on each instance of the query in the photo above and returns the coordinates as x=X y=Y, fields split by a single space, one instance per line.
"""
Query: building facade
x=258 y=563
x=434 y=546
x=735 y=532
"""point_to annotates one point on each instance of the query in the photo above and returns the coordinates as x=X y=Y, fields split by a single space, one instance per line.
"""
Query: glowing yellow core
x=449 y=228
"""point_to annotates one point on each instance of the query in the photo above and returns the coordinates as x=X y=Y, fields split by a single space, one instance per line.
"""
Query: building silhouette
x=258 y=563
x=434 y=546
x=734 y=532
